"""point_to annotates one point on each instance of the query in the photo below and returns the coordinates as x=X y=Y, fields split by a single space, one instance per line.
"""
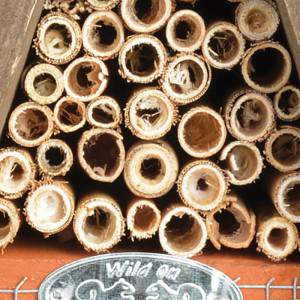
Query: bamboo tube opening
x=201 y=132
x=49 y=208
x=58 y=38
x=30 y=124
x=54 y=157
x=257 y=19
x=150 y=114
x=267 y=67
x=69 y=114
x=185 y=31
x=202 y=185
x=283 y=149
x=104 y=112
x=150 y=169
x=103 y=34
x=86 y=78
x=146 y=16
x=186 y=78
x=9 y=222
x=44 y=83
x=182 y=232
x=103 y=4
x=98 y=223
x=223 y=45
x=142 y=58
x=17 y=172
x=101 y=154
x=242 y=161
x=287 y=103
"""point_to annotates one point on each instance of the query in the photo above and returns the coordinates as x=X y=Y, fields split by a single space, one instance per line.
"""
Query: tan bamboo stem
x=103 y=4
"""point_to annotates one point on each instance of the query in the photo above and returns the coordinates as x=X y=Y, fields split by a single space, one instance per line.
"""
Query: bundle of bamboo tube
x=208 y=147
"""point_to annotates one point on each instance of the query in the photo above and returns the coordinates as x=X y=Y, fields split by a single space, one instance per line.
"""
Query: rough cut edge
x=110 y=4
x=245 y=216
x=131 y=211
x=146 y=134
x=179 y=210
x=76 y=36
x=108 y=202
x=224 y=185
x=12 y=124
x=258 y=155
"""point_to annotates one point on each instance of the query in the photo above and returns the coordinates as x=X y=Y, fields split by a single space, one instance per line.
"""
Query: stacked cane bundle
x=157 y=59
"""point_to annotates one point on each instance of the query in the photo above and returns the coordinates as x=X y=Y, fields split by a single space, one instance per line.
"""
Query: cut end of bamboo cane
x=223 y=46
x=232 y=225
x=186 y=78
x=185 y=31
x=101 y=154
x=49 y=207
x=17 y=172
x=9 y=223
x=151 y=169
x=104 y=112
x=287 y=103
x=98 y=222
x=142 y=58
x=202 y=185
x=249 y=116
x=86 y=78
x=282 y=149
x=149 y=114
x=242 y=161
x=54 y=158
x=105 y=5
x=267 y=67
x=30 y=124
x=58 y=39
x=44 y=83
x=202 y=132
x=146 y=16
x=143 y=219
x=103 y=34
x=182 y=232
x=69 y=114
x=277 y=238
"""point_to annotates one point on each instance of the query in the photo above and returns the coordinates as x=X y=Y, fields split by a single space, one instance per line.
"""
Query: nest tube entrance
x=103 y=5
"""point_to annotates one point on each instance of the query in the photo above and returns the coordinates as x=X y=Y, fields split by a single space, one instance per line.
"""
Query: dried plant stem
x=103 y=5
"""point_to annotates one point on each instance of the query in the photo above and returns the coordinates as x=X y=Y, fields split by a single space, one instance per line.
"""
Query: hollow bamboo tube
x=58 y=38
x=49 y=207
x=201 y=132
x=150 y=169
x=150 y=114
x=287 y=103
x=30 y=124
x=54 y=158
x=10 y=221
x=101 y=154
x=182 y=231
x=282 y=149
x=223 y=46
x=202 y=185
x=185 y=31
x=101 y=5
x=104 y=112
x=98 y=222
x=242 y=162
x=232 y=225
x=94 y=82
x=44 y=83
x=17 y=172
x=69 y=114
x=143 y=218
x=186 y=78
x=103 y=34
x=266 y=67
x=249 y=115
x=142 y=58
x=146 y=16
